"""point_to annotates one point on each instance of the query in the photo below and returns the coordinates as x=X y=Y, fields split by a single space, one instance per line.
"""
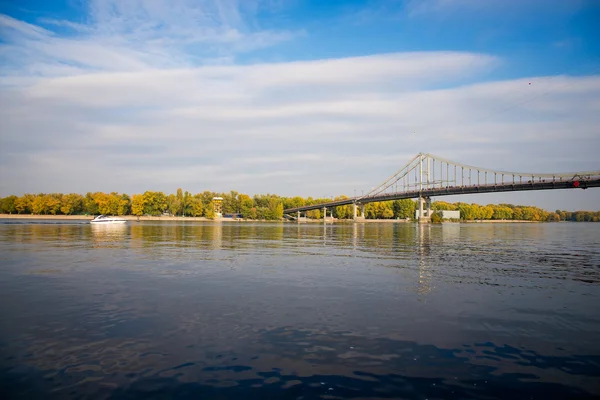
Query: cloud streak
x=134 y=35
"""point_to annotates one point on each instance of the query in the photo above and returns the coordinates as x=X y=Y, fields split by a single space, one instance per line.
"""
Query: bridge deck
x=452 y=190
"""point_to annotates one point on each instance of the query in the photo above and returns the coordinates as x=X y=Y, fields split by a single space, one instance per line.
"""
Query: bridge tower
x=424 y=215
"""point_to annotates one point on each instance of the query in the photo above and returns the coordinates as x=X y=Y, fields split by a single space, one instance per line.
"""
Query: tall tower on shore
x=218 y=207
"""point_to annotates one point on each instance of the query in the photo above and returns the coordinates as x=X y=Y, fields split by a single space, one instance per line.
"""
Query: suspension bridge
x=427 y=176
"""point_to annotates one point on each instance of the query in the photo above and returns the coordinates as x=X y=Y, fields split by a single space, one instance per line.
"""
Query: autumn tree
x=179 y=201
x=196 y=206
x=209 y=211
x=23 y=204
x=89 y=204
x=275 y=209
x=247 y=206
x=343 y=212
x=7 y=205
x=154 y=202
x=173 y=205
x=137 y=204
x=71 y=203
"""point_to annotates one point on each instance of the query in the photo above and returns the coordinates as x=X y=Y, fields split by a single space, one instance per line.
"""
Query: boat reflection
x=109 y=234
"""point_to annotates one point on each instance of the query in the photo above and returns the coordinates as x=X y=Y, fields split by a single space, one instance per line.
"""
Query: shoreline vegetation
x=185 y=206
x=166 y=218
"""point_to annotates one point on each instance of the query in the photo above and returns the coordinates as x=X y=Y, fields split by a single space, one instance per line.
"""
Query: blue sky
x=264 y=95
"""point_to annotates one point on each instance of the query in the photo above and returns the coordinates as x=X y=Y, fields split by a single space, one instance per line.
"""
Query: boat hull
x=120 y=221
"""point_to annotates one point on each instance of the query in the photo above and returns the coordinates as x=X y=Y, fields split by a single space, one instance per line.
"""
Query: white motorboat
x=105 y=220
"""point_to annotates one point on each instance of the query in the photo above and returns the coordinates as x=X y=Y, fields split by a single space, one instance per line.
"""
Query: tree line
x=259 y=207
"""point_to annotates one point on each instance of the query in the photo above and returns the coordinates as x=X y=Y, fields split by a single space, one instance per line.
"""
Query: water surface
x=299 y=311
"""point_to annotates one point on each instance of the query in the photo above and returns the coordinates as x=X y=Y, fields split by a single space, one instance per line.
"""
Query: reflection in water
x=109 y=234
x=425 y=276
x=242 y=310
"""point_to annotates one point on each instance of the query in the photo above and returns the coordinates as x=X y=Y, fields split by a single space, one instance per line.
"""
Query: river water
x=237 y=310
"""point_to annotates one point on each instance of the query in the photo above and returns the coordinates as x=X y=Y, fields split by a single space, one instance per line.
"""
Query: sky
x=308 y=98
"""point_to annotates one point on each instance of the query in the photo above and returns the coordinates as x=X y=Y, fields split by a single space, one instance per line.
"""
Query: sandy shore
x=165 y=218
x=90 y=217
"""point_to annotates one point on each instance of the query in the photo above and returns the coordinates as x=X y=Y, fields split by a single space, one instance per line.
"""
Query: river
x=238 y=310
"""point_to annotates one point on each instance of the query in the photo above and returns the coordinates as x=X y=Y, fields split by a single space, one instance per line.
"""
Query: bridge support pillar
x=325 y=217
x=424 y=215
x=301 y=218
x=362 y=212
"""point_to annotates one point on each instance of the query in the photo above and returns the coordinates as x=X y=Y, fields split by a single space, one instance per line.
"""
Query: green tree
x=467 y=211
x=231 y=203
x=436 y=217
x=196 y=206
x=486 y=212
x=443 y=206
x=553 y=217
x=314 y=214
x=209 y=212
x=275 y=207
x=179 y=202
x=7 y=205
x=502 y=212
x=247 y=206
x=154 y=202
x=342 y=212
x=186 y=206
x=173 y=205
x=293 y=202
x=518 y=214
x=404 y=208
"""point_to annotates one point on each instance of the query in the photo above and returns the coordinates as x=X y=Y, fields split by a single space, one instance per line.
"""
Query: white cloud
x=273 y=128
x=94 y=111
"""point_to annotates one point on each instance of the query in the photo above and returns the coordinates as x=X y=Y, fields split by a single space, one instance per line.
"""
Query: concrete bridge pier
x=300 y=218
x=325 y=217
x=424 y=215
x=362 y=212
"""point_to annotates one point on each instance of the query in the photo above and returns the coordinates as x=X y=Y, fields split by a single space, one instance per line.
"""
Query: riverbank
x=189 y=219
x=91 y=217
